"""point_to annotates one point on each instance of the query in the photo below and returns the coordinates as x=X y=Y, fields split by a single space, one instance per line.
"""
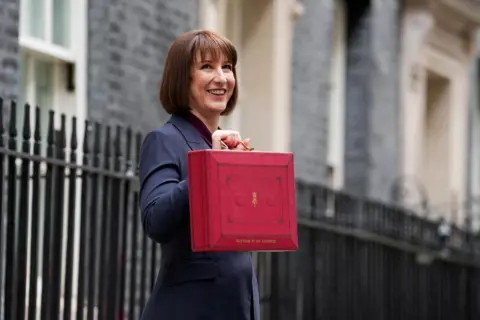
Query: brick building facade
x=325 y=78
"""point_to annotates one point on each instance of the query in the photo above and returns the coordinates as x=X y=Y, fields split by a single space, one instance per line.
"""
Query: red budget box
x=242 y=201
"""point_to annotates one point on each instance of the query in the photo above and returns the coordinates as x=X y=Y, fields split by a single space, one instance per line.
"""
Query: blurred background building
x=371 y=96
x=376 y=98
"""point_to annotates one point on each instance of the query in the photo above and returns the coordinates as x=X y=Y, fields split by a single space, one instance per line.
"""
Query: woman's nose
x=220 y=76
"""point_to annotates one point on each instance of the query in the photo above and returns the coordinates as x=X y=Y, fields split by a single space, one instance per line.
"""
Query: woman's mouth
x=217 y=92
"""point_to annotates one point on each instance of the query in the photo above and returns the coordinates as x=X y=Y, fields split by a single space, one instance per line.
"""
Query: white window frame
x=76 y=54
x=336 y=136
x=46 y=46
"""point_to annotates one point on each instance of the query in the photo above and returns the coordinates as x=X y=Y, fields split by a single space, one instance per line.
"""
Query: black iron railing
x=69 y=217
x=72 y=245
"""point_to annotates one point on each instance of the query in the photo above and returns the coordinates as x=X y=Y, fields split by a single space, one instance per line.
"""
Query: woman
x=198 y=86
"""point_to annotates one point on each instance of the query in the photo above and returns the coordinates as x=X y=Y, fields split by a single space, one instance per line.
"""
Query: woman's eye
x=205 y=66
x=229 y=67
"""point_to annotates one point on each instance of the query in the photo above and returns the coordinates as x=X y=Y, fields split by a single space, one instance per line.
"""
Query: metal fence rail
x=72 y=245
x=342 y=277
x=361 y=259
x=70 y=241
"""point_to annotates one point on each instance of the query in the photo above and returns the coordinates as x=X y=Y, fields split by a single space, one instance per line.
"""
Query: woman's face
x=212 y=84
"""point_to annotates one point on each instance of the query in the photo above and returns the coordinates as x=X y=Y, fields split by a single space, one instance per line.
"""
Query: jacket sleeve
x=163 y=196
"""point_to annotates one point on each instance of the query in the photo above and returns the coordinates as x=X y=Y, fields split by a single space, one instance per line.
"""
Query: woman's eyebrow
x=211 y=61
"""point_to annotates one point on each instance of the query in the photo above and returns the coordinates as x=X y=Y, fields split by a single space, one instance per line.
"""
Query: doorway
x=435 y=152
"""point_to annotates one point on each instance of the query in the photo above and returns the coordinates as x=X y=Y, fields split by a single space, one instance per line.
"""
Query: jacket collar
x=190 y=134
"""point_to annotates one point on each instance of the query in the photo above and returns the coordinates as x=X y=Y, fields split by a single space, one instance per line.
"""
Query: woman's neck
x=211 y=122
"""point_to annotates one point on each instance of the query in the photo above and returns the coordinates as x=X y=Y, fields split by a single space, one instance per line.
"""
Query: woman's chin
x=217 y=108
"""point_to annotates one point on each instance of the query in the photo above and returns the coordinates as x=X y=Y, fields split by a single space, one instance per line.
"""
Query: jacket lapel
x=190 y=134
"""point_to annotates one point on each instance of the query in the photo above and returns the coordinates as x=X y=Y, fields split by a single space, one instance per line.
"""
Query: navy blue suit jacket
x=189 y=286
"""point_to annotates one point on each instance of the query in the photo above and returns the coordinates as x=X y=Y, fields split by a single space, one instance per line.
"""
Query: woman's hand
x=231 y=139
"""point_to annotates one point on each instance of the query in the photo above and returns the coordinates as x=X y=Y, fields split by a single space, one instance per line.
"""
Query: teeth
x=217 y=91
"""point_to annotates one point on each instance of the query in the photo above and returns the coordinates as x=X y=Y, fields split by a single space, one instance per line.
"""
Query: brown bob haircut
x=175 y=85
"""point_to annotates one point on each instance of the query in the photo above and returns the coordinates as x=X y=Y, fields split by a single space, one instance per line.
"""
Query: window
x=53 y=66
x=47 y=21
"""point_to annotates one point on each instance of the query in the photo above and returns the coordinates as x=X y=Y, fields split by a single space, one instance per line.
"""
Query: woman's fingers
x=243 y=146
x=232 y=140
x=229 y=140
x=219 y=138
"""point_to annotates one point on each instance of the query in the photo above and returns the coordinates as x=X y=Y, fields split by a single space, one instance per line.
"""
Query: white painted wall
x=262 y=32
x=432 y=43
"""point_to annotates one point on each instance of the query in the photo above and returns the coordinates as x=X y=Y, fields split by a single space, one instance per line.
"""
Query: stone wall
x=128 y=41
x=9 y=49
x=310 y=89
x=372 y=151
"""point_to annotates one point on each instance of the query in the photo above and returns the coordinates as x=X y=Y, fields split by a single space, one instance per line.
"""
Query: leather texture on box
x=242 y=201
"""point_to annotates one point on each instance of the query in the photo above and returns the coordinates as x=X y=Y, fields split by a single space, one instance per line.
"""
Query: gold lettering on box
x=244 y=241
x=254 y=199
x=256 y=241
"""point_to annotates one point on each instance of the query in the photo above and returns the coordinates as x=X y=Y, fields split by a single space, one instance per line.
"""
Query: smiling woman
x=198 y=86
x=212 y=85
x=206 y=52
